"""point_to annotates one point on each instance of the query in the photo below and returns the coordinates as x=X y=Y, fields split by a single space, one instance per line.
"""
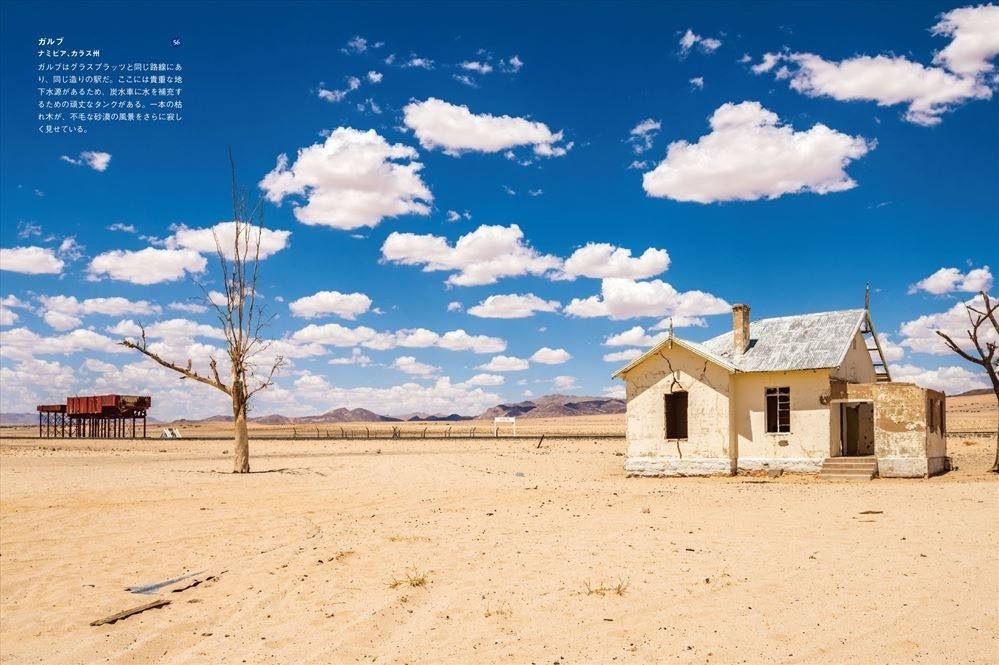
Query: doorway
x=857 y=429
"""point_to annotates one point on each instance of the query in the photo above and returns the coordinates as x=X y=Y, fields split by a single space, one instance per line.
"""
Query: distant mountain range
x=557 y=406
x=976 y=391
x=549 y=406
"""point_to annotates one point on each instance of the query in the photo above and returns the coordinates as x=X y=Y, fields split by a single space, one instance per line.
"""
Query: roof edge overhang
x=864 y=318
x=689 y=346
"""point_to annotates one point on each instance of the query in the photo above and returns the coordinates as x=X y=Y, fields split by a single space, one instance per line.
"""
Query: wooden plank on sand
x=124 y=614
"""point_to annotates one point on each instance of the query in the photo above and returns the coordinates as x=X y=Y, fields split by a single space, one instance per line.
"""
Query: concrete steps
x=849 y=468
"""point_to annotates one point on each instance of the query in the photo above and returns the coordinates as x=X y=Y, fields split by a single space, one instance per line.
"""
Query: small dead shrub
x=604 y=589
x=413 y=578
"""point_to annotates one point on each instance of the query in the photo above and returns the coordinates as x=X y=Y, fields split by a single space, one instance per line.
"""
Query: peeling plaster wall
x=900 y=420
x=857 y=367
x=909 y=426
x=909 y=440
x=707 y=387
x=809 y=437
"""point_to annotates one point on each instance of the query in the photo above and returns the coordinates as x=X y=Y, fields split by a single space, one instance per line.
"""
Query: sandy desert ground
x=495 y=551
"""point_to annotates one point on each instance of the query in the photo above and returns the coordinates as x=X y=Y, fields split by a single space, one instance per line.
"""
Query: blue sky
x=554 y=180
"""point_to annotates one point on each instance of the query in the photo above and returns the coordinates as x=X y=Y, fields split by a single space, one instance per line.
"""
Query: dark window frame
x=777 y=411
x=676 y=407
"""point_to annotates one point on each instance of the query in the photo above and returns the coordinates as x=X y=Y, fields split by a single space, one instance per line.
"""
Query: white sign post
x=497 y=421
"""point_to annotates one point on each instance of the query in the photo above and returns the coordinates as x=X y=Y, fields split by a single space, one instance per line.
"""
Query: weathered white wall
x=809 y=437
x=857 y=367
x=706 y=449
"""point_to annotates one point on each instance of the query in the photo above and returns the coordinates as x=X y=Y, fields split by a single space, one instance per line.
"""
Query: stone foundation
x=674 y=466
x=788 y=464
x=911 y=467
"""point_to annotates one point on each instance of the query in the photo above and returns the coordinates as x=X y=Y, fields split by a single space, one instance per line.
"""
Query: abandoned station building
x=798 y=393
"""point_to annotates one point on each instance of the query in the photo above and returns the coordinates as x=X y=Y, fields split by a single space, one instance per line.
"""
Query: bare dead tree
x=980 y=321
x=241 y=317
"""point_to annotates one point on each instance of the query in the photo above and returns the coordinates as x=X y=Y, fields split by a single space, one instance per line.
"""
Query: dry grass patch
x=602 y=589
x=413 y=578
x=408 y=539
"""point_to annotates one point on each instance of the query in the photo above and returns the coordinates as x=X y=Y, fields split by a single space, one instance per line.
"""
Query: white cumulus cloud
x=634 y=337
x=459 y=340
x=455 y=216
x=354 y=179
x=949 y=280
x=928 y=92
x=24 y=344
x=749 y=155
x=356 y=44
x=480 y=257
x=147 y=266
x=189 y=307
x=353 y=83
x=616 y=392
x=65 y=312
x=564 y=382
x=681 y=322
x=962 y=73
x=627 y=355
x=345 y=305
x=643 y=134
x=7 y=317
x=512 y=64
x=505 y=364
x=624 y=299
x=485 y=380
x=975 y=39
x=409 y=365
x=356 y=357
x=30 y=260
x=919 y=335
x=889 y=348
x=951 y=379
x=513 y=306
x=476 y=66
x=96 y=160
x=603 y=260
x=706 y=44
x=455 y=129
x=270 y=241
x=548 y=356
x=416 y=62
x=334 y=334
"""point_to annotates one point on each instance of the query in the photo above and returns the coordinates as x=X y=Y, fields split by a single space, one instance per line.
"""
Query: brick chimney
x=740 y=328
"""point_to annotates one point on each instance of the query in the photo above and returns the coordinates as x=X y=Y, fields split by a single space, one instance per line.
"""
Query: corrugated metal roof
x=807 y=341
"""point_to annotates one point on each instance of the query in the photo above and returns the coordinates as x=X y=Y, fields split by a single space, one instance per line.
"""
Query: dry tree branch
x=185 y=372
